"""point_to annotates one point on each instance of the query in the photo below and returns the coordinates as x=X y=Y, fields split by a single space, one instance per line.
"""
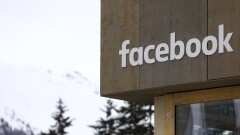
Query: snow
x=30 y=94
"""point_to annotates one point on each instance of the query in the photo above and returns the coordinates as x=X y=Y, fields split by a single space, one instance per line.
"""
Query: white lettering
x=205 y=45
x=173 y=46
x=189 y=46
x=224 y=42
x=160 y=52
x=124 y=52
x=176 y=50
x=139 y=60
x=146 y=54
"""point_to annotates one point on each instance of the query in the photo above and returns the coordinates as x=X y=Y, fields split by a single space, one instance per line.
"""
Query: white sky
x=55 y=34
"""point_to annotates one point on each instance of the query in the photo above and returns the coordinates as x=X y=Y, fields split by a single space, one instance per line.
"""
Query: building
x=183 y=56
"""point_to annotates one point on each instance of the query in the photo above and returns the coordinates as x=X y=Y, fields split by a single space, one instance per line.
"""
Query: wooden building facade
x=196 y=82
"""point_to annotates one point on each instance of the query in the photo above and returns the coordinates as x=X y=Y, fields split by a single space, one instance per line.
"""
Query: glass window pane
x=209 y=118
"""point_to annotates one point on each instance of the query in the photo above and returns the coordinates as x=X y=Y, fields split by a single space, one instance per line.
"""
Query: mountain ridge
x=32 y=93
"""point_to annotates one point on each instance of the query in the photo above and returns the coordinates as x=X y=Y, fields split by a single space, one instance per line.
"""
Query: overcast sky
x=54 y=34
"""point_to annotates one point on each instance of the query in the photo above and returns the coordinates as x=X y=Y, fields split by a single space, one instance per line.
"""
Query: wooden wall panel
x=159 y=18
x=225 y=12
x=146 y=22
x=119 y=22
x=164 y=115
x=159 y=116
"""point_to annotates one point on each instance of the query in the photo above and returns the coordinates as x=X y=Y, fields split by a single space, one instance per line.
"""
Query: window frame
x=165 y=105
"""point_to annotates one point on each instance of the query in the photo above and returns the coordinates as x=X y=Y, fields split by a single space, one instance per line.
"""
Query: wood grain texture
x=159 y=116
x=225 y=12
x=119 y=22
x=164 y=115
x=165 y=124
x=146 y=22
x=206 y=95
x=159 y=18
x=170 y=109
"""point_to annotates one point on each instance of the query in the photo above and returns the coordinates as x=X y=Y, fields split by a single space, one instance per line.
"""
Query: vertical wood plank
x=107 y=31
x=159 y=18
x=170 y=112
x=225 y=12
x=119 y=22
x=164 y=115
x=159 y=116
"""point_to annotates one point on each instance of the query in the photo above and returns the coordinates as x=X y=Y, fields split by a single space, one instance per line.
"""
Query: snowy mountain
x=29 y=95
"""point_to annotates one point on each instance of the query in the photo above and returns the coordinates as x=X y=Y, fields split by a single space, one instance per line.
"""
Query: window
x=208 y=118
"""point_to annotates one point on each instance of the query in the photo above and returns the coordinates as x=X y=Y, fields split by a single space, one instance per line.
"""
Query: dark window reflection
x=210 y=118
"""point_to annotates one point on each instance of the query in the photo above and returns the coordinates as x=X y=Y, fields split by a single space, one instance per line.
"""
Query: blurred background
x=50 y=49
x=50 y=72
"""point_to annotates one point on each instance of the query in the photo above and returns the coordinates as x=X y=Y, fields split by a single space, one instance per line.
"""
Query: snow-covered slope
x=30 y=94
